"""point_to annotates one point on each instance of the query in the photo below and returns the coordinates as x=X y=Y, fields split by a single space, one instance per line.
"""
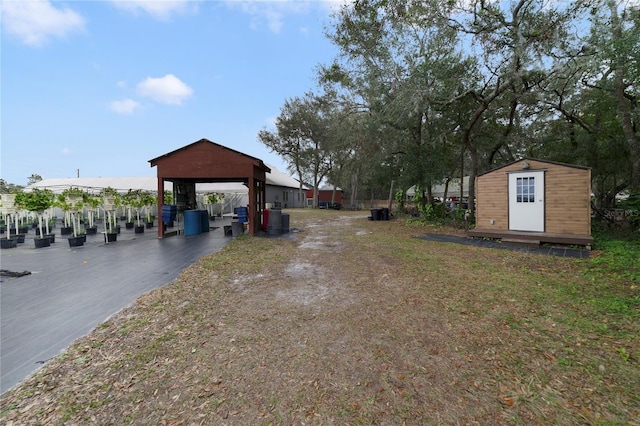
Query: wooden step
x=528 y=242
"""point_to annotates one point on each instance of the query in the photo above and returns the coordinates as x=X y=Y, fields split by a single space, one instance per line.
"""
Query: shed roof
x=539 y=160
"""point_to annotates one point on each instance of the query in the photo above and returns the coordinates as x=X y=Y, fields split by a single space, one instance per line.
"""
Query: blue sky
x=105 y=86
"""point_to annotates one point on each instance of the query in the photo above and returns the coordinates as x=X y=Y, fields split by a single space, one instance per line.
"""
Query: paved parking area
x=72 y=290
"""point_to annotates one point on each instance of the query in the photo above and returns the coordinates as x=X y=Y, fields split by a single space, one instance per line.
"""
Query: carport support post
x=160 y=203
x=252 y=205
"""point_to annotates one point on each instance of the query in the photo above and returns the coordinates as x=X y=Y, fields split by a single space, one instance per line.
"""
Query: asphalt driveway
x=70 y=291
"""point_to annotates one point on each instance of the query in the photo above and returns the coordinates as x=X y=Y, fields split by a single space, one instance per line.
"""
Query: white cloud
x=271 y=13
x=161 y=10
x=335 y=5
x=126 y=107
x=35 y=21
x=167 y=90
x=66 y=151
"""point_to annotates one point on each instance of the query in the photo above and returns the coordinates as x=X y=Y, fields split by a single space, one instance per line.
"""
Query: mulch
x=559 y=251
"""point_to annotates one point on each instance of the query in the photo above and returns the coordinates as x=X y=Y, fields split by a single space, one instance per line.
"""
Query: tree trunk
x=354 y=191
x=624 y=104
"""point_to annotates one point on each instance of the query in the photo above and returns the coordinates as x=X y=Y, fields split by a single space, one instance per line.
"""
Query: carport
x=205 y=161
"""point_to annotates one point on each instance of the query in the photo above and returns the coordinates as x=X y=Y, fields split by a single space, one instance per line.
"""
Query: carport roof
x=154 y=161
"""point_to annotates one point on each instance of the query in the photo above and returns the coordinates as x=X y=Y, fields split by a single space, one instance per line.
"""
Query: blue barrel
x=204 y=221
x=192 y=222
x=243 y=214
x=169 y=212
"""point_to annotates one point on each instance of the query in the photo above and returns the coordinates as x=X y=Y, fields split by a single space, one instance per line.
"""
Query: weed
x=624 y=354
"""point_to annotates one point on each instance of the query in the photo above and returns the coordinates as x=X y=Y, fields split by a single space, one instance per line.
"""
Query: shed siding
x=492 y=201
x=567 y=199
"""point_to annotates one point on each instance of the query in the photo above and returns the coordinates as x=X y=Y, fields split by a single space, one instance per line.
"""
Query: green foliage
x=92 y=201
x=147 y=198
x=71 y=199
x=110 y=193
x=619 y=259
x=133 y=198
x=38 y=200
x=20 y=200
x=399 y=196
x=212 y=198
x=8 y=188
x=429 y=211
x=168 y=197
x=632 y=205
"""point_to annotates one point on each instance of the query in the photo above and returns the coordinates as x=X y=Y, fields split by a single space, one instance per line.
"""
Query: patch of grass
x=619 y=259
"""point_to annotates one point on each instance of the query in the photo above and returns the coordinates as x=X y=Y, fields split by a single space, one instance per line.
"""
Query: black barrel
x=285 y=223
x=275 y=222
x=237 y=229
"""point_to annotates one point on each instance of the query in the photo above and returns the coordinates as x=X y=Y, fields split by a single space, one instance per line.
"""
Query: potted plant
x=38 y=201
x=20 y=216
x=111 y=201
x=148 y=200
x=136 y=200
x=48 y=220
x=71 y=201
x=210 y=200
x=61 y=203
x=91 y=203
x=7 y=207
x=128 y=202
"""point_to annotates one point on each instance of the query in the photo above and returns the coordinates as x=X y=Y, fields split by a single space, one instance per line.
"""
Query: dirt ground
x=350 y=322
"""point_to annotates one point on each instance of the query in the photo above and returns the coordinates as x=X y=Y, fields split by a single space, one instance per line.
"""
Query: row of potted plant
x=79 y=208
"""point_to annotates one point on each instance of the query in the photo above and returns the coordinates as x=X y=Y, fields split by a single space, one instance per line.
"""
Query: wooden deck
x=532 y=237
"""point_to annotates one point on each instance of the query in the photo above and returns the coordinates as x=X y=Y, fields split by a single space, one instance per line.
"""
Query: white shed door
x=526 y=201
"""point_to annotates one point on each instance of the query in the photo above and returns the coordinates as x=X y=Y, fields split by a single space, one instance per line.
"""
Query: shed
x=326 y=194
x=532 y=200
x=206 y=161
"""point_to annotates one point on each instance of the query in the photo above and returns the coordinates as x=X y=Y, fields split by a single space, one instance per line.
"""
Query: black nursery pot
x=42 y=242
x=7 y=243
x=76 y=241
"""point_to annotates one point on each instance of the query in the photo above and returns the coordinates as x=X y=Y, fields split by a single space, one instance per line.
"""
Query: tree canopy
x=423 y=91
